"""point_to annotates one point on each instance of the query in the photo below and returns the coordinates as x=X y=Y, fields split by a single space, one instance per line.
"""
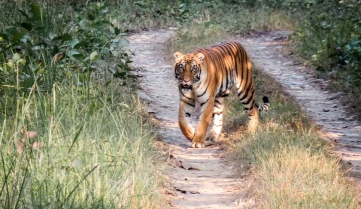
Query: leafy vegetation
x=331 y=38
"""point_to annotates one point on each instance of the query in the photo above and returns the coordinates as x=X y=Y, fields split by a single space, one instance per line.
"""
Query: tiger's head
x=188 y=68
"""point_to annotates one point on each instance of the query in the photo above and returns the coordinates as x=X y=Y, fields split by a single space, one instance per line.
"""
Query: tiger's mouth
x=186 y=86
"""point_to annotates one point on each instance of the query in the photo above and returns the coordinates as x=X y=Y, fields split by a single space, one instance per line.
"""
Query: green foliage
x=51 y=46
x=331 y=37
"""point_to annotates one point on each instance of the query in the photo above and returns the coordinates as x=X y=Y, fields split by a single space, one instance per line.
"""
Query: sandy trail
x=204 y=179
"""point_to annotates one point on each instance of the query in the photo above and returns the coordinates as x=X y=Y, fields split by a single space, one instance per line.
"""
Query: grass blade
x=75 y=138
x=77 y=185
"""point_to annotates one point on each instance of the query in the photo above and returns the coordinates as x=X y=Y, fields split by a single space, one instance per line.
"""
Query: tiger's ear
x=178 y=55
x=199 y=57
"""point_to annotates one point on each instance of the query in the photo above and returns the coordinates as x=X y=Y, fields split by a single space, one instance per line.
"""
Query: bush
x=331 y=37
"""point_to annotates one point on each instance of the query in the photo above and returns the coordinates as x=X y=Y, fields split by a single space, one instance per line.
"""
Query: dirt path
x=200 y=178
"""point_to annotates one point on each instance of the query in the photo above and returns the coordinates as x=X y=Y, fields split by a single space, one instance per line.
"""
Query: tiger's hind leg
x=217 y=119
x=252 y=119
x=247 y=99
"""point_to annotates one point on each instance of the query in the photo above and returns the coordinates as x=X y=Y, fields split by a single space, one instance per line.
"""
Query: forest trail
x=201 y=178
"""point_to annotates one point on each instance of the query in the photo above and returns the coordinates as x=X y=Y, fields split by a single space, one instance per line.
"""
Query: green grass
x=94 y=154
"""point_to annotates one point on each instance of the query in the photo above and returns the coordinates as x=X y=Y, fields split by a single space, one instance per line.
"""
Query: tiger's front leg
x=186 y=108
x=217 y=120
x=204 y=120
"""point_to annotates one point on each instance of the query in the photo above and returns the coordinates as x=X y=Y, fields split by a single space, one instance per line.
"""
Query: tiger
x=207 y=76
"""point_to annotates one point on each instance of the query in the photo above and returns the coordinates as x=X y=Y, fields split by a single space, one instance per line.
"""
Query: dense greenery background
x=327 y=33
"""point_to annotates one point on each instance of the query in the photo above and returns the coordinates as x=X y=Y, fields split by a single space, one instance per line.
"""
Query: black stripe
x=253 y=103
x=202 y=93
x=247 y=90
x=204 y=102
x=227 y=79
x=188 y=103
x=186 y=96
x=245 y=95
x=246 y=102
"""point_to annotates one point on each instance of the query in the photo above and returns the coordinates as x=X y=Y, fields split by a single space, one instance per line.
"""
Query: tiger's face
x=188 y=68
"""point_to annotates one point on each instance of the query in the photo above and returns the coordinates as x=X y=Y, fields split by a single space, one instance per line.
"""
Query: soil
x=202 y=178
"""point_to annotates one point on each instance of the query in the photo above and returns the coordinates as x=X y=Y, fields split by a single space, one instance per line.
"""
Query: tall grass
x=97 y=154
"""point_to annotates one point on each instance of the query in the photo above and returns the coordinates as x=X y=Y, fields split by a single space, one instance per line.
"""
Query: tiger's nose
x=186 y=80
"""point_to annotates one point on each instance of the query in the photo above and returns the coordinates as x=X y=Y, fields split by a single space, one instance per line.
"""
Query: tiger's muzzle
x=186 y=84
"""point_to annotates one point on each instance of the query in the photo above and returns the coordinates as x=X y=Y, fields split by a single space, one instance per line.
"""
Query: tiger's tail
x=265 y=105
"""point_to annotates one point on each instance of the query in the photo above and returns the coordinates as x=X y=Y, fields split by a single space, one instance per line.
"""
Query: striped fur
x=207 y=76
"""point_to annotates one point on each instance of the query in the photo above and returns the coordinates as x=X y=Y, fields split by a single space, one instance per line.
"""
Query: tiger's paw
x=197 y=145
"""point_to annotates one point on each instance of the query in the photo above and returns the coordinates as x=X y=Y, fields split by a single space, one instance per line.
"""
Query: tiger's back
x=229 y=65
